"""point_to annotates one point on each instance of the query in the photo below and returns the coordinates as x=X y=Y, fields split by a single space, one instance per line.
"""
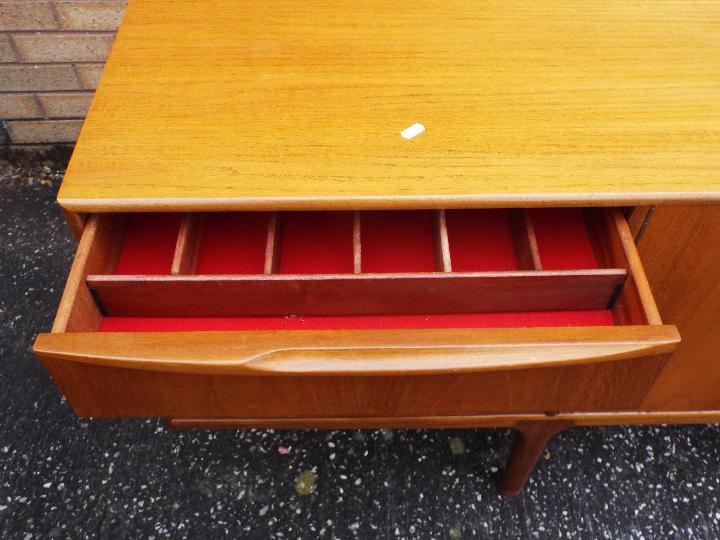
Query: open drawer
x=356 y=315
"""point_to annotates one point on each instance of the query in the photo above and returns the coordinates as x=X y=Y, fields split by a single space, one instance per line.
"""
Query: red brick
x=63 y=47
x=14 y=106
x=90 y=15
x=65 y=105
x=7 y=51
x=43 y=131
x=32 y=77
x=26 y=15
x=89 y=75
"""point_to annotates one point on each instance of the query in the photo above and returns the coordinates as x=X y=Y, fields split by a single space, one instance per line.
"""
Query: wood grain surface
x=353 y=294
x=343 y=352
x=97 y=251
x=680 y=251
x=103 y=390
x=230 y=104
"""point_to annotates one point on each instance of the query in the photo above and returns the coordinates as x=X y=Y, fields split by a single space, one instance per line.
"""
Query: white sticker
x=412 y=131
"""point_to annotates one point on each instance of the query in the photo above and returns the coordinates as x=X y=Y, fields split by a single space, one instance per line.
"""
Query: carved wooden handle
x=376 y=352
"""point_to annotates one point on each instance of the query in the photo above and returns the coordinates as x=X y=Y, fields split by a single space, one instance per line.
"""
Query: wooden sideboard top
x=233 y=104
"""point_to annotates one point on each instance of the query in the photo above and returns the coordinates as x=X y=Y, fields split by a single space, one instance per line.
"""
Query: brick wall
x=51 y=56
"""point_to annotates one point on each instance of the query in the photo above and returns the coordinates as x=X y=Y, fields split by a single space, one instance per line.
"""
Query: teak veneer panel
x=354 y=373
x=680 y=252
x=133 y=393
x=301 y=106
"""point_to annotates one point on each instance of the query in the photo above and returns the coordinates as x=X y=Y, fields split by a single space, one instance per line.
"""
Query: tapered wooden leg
x=530 y=441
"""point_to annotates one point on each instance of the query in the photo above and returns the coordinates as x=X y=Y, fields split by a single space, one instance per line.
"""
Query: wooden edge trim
x=443 y=262
x=272 y=244
x=616 y=273
x=479 y=421
x=359 y=352
x=389 y=202
x=188 y=244
x=524 y=239
x=357 y=242
x=635 y=267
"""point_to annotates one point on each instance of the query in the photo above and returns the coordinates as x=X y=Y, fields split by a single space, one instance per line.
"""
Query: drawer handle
x=347 y=353
x=389 y=361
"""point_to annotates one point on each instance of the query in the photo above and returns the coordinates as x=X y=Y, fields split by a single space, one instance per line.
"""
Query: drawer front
x=357 y=373
x=101 y=391
x=372 y=345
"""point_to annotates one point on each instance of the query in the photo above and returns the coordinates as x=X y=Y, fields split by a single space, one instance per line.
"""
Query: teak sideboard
x=260 y=247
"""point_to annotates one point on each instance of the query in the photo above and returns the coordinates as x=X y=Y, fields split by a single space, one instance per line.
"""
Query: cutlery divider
x=356 y=242
x=272 y=245
x=351 y=294
x=443 y=261
x=187 y=247
x=525 y=241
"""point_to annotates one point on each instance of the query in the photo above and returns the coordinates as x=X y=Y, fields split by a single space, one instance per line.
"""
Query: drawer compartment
x=356 y=314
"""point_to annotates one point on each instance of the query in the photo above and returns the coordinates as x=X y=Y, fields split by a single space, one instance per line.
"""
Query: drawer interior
x=337 y=270
x=358 y=242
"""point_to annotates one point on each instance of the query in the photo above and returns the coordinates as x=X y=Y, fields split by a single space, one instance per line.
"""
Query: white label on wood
x=412 y=131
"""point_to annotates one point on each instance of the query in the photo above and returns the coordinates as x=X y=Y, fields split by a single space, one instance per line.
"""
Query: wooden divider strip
x=272 y=244
x=188 y=244
x=357 y=242
x=526 y=247
x=353 y=294
x=443 y=262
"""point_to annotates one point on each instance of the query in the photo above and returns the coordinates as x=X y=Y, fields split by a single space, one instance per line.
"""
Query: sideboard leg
x=530 y=441
x=75 y=221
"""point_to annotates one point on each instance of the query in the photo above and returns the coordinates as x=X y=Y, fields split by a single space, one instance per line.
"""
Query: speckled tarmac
x=64 y=477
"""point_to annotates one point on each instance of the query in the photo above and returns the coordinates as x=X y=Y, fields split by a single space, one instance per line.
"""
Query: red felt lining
x=452 y=320
x=321 y=242
x=480 y=240
x=316 y=243
x=395 y=241
x=233 y=243
x=563 y=239
x=149 y=244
